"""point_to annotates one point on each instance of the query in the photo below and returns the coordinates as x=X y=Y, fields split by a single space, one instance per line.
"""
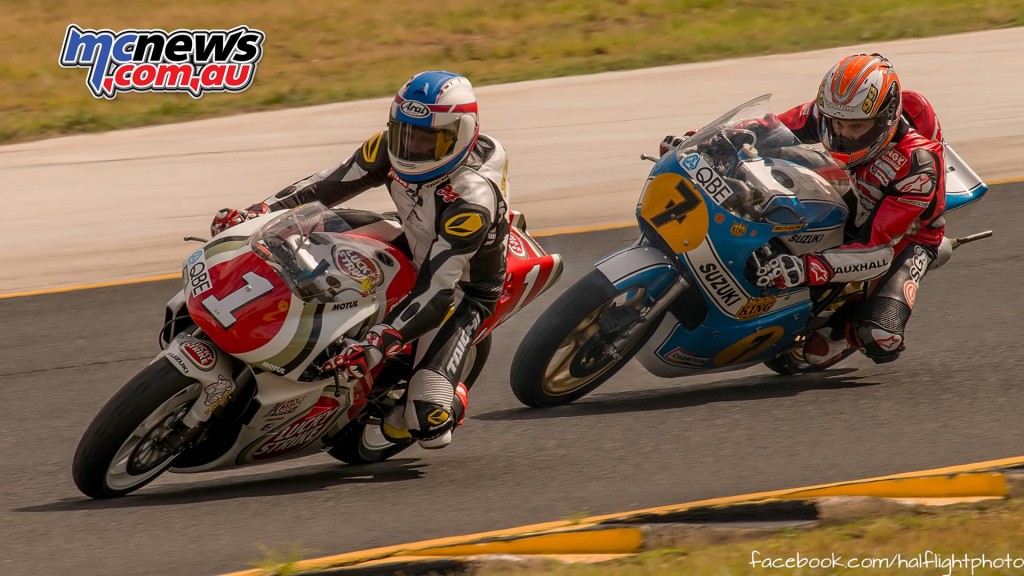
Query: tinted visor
x=846 y=145
x=419 y=143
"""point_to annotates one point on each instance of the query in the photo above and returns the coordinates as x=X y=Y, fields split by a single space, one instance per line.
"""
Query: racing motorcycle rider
x=448 y=183
x=860 y=117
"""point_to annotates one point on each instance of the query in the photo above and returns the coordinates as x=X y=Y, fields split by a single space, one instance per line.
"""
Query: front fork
x=647 y=266
x=213 y=369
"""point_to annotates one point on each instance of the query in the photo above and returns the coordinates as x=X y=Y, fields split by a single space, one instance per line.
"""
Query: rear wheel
x=585 y=336
x=125 y=446
x=360 y=442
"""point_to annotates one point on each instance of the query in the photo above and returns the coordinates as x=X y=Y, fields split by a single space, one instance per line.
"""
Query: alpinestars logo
x=193 y=61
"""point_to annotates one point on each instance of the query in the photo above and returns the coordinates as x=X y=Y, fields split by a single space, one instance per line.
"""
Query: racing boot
x=460 y=402
x=826 y=346
x=394 y=428
x=435 y=424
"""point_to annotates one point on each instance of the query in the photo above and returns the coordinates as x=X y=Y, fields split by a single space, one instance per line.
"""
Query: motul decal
x=296 y=435
x=200 y=353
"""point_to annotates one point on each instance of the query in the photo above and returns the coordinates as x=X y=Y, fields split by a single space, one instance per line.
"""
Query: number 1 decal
x=224 y=309
x=529 y=281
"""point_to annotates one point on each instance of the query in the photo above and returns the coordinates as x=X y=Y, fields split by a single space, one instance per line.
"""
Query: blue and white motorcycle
x=682 y=299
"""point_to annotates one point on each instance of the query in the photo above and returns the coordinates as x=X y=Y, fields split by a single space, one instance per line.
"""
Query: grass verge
x=988 y=536
x=318 y=52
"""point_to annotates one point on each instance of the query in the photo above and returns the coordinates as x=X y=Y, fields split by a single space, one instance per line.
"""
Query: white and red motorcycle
x=238 y=382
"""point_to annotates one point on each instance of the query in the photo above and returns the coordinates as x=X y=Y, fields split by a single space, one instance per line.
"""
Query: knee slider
x=428 y=405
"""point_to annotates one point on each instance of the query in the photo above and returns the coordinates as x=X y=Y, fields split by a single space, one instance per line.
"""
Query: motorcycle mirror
x=194 y=239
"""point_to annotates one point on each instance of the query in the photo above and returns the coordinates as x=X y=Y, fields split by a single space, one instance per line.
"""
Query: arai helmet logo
x=414 y=109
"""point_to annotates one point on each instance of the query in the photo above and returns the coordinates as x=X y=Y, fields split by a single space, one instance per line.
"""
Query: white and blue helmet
x=432 y=126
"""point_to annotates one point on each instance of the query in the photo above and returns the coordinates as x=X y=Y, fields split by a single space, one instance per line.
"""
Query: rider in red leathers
x=897 y=221
x=863 y=117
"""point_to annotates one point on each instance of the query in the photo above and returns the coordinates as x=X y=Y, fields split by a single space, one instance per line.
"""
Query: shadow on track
x=278 y=483
x=760 y=387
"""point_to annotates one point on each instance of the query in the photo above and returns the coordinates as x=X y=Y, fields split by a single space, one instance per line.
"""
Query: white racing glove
x=788 y=271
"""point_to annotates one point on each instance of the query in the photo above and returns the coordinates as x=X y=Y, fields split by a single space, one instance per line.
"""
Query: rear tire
x=121 y=451
x=362 y=443
x=569 y=328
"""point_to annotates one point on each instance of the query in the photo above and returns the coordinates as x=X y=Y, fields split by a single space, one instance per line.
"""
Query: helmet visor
x=420 y=143
x=839 y=137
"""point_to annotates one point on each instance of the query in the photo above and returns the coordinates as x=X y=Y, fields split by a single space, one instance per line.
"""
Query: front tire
x=566 y=355
x=122 y=450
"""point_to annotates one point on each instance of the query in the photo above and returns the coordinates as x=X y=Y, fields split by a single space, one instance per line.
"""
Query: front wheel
x=585 y=336
x=124 y=448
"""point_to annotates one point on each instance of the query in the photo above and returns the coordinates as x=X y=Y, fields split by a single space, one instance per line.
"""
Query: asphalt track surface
x=639 y=441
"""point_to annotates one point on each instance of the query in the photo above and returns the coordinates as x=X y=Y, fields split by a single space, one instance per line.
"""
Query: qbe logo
x=193 y=61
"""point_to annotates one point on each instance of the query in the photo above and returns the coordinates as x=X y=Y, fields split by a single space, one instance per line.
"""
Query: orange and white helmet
x=859 y=87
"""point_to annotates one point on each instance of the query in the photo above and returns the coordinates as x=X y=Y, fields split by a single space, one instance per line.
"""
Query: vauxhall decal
x=862 y=267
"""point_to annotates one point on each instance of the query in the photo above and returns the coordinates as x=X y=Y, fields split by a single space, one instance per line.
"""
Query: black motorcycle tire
x=115 y=423
x=539 y=346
